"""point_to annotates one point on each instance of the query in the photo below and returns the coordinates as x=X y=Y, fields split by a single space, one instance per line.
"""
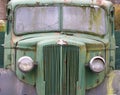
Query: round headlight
x=25 y=64
x=97 y=64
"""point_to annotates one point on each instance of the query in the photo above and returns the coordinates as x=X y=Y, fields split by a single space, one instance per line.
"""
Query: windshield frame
x=60 y=6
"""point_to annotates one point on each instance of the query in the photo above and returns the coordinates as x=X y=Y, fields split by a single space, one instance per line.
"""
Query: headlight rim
x=95 y=58
x=19 y=62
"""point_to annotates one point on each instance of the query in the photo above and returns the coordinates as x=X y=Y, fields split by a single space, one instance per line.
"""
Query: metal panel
x=70 y=66
x=61 y=69
x=110 y=85
x=52 y=70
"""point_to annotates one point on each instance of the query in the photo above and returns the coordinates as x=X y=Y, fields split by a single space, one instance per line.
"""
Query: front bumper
x=10 y=85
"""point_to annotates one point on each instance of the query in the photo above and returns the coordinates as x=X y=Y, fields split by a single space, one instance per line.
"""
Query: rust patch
x=15 y=39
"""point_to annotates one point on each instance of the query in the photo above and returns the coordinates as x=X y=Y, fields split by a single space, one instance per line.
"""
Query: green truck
x=59 y=47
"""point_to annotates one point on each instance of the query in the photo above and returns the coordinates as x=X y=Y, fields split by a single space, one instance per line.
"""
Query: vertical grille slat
x=52 y=69
x=70 y=66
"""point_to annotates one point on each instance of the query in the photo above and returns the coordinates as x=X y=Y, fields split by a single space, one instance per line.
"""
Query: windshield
x=53 y=18
x=34 y=19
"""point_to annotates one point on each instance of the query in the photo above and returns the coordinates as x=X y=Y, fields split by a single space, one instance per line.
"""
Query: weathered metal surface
x=110 y=86
x=10 y=85
x=59 y=82
x=104 y=3
x=43 y=80
x=56 y=66
x=99 y=90
x=114 y=83
x=93 y=48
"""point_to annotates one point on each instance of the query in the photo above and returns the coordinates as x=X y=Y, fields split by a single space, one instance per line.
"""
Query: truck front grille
x=60 y=69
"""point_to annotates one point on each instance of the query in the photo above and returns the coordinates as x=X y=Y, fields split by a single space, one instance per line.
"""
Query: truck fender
x=113 y=83
x=10 y=85
x=110 y=86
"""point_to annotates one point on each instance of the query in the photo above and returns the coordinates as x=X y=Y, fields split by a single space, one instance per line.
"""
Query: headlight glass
x=97 y=64
x=25 y=64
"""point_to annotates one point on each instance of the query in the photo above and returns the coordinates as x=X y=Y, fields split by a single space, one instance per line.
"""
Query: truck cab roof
x=104 y=3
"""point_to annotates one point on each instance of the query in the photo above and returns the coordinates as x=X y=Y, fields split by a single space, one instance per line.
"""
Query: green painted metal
x=52 y=69
x=89 y=2
x=40 y=79
x=60 y=69
x=26 y=77
x=106 y=5
x=90 y=81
